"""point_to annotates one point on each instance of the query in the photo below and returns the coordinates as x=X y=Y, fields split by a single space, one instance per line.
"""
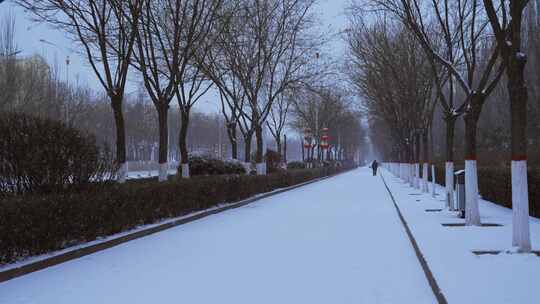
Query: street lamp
x=67 y=73
x=68 y=61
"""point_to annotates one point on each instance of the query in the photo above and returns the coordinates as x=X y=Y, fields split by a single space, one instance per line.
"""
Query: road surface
x=335 y=241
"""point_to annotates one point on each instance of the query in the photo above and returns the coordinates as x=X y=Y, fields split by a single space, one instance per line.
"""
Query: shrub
x=273 y=159
x=296 y=165
x=205 y=165
x=234 y=167
x=42 y=155
x=33 y=225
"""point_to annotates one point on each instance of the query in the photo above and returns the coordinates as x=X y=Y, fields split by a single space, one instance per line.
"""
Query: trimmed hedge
x=33 y=225
x=495 y=185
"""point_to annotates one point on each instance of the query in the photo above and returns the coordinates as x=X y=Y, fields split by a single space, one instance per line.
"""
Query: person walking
x=374 y=166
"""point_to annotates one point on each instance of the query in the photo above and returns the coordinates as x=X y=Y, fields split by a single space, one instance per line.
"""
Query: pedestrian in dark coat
x=374 y=166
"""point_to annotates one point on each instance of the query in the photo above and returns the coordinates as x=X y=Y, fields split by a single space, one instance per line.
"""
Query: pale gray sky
x=28 y=36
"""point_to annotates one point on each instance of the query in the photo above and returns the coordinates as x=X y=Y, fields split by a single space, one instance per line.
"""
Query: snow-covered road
x=336 y=241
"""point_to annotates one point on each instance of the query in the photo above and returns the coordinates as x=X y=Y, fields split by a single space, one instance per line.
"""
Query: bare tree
x=159 y=56
x=381 y=53
x=231 y=110
x=461 y=23
x=8 y=52
x=217 y=67
x=200 y=25
x=264 y=47
x=506 y=19
x=106 y=30
x=278 y=118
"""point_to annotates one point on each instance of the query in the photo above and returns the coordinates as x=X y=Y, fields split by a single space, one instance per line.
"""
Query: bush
x=273 y=160
x=33 y=225
x=296 y=165
x=43 y=156
x=204 y=165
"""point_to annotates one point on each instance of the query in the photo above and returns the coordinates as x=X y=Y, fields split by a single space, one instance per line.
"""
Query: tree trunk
x=311 y=156
x=328 y=154
x=449 y=170
x=259 y=155
x=247 y=146
x=285 y=149
x=278 y=146
x=163 y=141
x=417 y=161
x=303 y=154
x=425 y=159
x=518 y=111
x=182 y=143
x=472 y=212
x=231 y=132
x=116 y=104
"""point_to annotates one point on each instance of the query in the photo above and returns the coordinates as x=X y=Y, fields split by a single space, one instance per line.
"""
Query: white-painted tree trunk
x=425 y=187
x=122 y=173
x=163 y=168
x=449 y=182
x=185 y=170
x=472 y=212
x=411 y=175
x=433 y=182
x=520 y=207
x=261 y=169
x=417 y=180
x=415 y=177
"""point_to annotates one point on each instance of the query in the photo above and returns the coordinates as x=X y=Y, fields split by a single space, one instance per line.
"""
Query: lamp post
x=68 y=61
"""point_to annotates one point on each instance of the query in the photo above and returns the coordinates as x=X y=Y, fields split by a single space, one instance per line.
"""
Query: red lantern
x=324 y=139
x=307 y=138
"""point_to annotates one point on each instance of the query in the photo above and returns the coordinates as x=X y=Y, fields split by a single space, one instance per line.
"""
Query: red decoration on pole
x=324 y=139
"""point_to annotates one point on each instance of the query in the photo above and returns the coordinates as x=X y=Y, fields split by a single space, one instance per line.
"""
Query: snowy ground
x=463 y=276
x=335 y=241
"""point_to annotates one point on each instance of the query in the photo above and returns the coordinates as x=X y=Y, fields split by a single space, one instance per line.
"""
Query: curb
x=10 y=274
x=441 y=299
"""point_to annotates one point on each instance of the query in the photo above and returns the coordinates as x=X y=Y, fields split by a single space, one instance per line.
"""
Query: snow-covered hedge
x=204 y=165
x=33 y=225
x=296 y=165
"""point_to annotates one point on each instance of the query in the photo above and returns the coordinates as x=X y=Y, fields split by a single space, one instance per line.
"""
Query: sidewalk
x=463 y=276
x=335 y=241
